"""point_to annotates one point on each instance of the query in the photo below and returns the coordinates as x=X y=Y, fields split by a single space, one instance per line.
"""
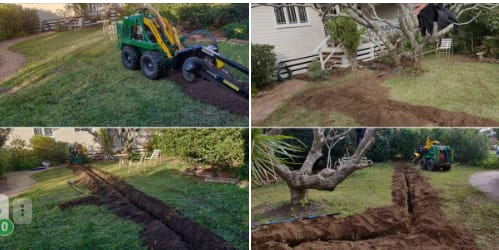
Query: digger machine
x=434 y=156
x=151 y=43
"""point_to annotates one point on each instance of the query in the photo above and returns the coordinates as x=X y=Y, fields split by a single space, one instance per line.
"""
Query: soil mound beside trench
x=369 y=102
x=414 y=221
x=211 y=93
x=164 y=227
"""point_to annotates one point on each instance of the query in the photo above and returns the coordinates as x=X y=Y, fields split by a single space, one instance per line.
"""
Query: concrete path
x=19 y=181
x=487 y=182
x=11 y=62
x=262 y=107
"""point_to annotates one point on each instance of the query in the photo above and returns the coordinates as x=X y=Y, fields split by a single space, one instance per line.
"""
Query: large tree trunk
x=298 y=195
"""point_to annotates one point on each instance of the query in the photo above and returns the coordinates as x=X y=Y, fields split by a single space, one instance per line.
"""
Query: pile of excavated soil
x=211 y=93
x=164 y=227
x=370 y=104
x=414 y=221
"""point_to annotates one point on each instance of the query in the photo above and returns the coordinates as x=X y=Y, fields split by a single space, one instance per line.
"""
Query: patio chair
x=155 y=155
x=444 y=47
x=136 y=161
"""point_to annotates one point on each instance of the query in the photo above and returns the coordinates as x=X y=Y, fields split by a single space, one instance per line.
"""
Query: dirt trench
x=414 y=221
x=210 y=93
x=164 y=227
x=369 y=102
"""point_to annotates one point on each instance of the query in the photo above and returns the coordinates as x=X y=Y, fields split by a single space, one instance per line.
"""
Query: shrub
x=263 y=60
x=238 y=30
x=46 y=148
x=315 y=71
x=217 y=147
x=16 y=21
x=204 y=16
x=344 y=31
x=3 y=167
x=492 y=162
x=382 y=148
x=19 y=159
x=404 y=143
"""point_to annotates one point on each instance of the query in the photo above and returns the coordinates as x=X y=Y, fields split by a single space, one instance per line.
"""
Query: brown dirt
x=369 y=102
x=262 y=107
x=211 y=93
x=414 y=221
x=164 y=227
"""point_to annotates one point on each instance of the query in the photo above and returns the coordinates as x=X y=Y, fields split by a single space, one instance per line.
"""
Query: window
x=43 y=131
x=38 y=131
x=290 y=15
x=47 y=131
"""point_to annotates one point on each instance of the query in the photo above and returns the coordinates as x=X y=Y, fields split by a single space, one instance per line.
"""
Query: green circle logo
x=6 y=227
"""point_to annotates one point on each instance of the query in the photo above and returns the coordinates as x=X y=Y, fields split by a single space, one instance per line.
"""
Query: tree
x=410 y=34
x=407 y=47
x=302 y=179
x=4 y=135
x=79 y=9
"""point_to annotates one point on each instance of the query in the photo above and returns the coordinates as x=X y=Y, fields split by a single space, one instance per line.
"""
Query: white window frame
x=43 y=132
x=286 y=17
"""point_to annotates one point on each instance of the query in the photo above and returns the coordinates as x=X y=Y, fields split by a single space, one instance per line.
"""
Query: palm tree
x=268 y=150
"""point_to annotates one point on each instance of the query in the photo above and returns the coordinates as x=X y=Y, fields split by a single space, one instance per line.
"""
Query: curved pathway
x=487 y=182
x=11 y=62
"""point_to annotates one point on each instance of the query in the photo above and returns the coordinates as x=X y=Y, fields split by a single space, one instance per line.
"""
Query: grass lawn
x=467 y=206
x=454 y=83
x=219 y=207
x=76 y=78
x=371 y=187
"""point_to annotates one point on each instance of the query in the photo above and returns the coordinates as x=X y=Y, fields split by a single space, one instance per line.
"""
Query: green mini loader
x=433 y=156
x=151 y=43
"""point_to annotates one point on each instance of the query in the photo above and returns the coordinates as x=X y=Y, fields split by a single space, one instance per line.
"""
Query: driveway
x=487 y=182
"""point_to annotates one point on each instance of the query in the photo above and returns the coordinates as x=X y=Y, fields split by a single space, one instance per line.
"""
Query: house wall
x=68 y=135
x=387 y=11
x=290 y=42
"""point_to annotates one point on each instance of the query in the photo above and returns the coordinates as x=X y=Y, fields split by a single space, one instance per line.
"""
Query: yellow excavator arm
x=160 y=25
x=429 y=143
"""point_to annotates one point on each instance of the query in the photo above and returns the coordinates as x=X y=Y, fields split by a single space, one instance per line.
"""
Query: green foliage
x=269 y=150
x=16 y=21
x=17 y=157
x=193 y=16
x=315 y=71
x=46 y=148
x=404 y=142
x=492 y=162
x=263 y=60
x=3 y=167
x=217 y=147
x=473 y=36
x=382 y=149
x=344 y=30
x=106 y=140
x=239 y=30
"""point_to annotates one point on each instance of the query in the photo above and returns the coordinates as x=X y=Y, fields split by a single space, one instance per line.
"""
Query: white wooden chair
x=444 y=47
x=155 y=156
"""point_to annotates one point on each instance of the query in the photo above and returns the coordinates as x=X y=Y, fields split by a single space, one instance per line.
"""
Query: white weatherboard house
x=298 y=35
x=68 y=135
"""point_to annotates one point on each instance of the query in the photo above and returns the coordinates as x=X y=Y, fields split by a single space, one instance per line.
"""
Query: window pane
x=279 y=15
x=38 y=131
x=303 y=14
x=48 y=131
x=291 y=14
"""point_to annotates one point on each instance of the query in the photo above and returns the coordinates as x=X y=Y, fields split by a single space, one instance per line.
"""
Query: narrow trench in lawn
x=164 y=227
x=415 y=220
